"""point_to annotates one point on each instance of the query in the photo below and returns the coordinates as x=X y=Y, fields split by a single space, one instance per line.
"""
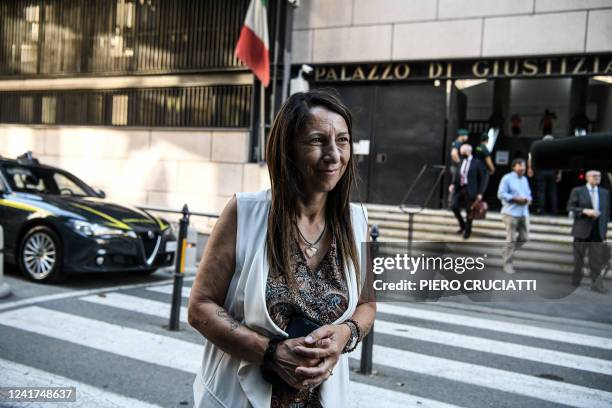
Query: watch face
x=354 y=339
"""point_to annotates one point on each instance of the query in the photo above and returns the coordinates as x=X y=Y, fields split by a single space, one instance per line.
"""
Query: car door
x=13 y=214
x=4 y=214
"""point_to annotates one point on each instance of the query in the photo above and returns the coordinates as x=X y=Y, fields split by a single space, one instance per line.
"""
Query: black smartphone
x=301 y=326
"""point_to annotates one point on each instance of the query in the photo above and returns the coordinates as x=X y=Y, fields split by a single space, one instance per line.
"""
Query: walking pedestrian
x=467 y=187
x=515 y=195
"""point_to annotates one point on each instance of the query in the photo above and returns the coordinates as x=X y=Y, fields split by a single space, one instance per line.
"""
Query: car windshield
x=44 y=181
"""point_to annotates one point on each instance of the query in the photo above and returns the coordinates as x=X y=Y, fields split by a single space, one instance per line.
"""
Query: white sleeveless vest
x=225 y=381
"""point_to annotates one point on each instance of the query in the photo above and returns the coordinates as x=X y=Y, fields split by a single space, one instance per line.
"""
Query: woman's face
x=323 y=150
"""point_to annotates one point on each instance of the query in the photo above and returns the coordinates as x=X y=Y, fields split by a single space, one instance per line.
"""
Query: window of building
x=26 y=109
x=119 y=36
x=225 y=106
x=49 y=109
x=120 y=110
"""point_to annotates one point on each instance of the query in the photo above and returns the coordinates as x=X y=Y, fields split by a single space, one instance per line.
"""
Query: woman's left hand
x=325 y=343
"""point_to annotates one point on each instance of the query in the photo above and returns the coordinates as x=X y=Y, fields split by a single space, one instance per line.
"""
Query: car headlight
x=171 y=229
x=97 y=230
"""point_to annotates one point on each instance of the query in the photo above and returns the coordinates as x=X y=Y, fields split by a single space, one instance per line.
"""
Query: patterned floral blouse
x=322 y=297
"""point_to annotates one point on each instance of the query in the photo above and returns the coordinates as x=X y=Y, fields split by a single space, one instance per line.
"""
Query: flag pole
x=262 y=121
x=274 y=65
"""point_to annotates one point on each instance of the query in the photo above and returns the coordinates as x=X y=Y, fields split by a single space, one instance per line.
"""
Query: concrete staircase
x=549 y=248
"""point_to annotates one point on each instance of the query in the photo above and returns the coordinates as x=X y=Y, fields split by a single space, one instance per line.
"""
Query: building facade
x=144 y=99
x=415 y=71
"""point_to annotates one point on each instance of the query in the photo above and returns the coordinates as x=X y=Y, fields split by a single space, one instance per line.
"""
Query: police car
x=55 y=224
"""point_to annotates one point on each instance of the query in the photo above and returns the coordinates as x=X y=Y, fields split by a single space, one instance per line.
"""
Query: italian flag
x=252 y=48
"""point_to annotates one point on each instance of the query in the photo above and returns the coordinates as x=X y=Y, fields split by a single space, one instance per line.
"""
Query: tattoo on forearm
x=225 y=316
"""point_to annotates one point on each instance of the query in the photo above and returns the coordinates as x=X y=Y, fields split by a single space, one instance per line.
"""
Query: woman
x=283 y=255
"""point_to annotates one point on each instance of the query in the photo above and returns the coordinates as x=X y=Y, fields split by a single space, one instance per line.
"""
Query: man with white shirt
x=515 y=195
x=467 y=187
x=590 y=206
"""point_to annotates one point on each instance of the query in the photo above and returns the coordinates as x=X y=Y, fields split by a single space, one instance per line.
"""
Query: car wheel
x=40 y=255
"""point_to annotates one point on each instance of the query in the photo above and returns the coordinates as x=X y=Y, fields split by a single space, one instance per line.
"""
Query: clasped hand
x=305 y=362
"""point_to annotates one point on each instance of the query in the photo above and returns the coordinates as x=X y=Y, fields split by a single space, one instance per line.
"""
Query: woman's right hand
x=286 y=361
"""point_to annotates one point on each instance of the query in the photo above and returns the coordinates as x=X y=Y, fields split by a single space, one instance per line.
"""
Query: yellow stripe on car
x=138 y=220
x=111 y=221
x=162 y=226
x=158 y=221
x=22 y=206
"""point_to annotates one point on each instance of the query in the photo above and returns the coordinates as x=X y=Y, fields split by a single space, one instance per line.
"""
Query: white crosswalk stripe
x=368 y=396
x=124 y=341
x=518 y=329
x=503 y=348
x=135 y=303
x=167 y=351
x=167 y=289
x=19 y=375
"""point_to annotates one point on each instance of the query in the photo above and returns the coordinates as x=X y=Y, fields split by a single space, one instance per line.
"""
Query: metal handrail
x=169 y=210
x=418 y=208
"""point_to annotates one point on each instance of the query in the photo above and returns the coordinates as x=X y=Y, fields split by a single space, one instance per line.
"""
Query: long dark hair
x=287 y=182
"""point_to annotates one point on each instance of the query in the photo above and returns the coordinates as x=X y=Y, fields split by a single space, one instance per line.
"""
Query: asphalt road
x=107 y=336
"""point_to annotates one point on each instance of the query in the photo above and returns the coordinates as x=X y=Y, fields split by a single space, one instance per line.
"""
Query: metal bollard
x=179 y=269
x=368 y=341
x=410 y=231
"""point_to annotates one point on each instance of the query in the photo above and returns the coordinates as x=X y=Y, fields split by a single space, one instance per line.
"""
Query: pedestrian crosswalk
x=19 y=375
x=420 y=350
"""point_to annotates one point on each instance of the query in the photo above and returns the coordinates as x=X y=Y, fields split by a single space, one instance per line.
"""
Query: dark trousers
x=547 y=193
x=461 y=200
x=595 y=247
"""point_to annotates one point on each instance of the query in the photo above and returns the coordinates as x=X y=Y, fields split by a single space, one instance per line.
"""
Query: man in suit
x=590 y=206
x=468 y=185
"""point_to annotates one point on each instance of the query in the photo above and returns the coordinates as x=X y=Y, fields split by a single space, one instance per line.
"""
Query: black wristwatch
x=266 y=367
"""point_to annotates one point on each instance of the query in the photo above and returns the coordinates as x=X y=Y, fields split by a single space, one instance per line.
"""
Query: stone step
x=562 y=221
x=448 y=232
x=545 y=247
x=402 y=222
x=493 y=251
x=481 y=225
x=544 y=219
x=531 y=246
